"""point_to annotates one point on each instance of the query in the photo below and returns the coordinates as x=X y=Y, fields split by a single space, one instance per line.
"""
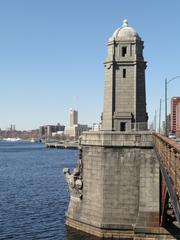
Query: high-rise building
x=12 y=128
x=124 y=93
x=73 y=117
x=175 y=115
x=74 y=129
x=178 y=120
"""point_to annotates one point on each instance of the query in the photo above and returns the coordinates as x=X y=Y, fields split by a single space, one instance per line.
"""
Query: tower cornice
x=123 y=42
x=124 y=62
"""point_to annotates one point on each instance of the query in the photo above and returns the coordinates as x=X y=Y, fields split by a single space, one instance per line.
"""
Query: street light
x=160 y=108
x=160 y=116
x=166 y=83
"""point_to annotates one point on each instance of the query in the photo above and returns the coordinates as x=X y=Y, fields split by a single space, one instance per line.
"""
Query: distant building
x=82 y=128
x=12 y=128
x=175 y=115
x=50 y=130
x=42 y=131
x=178 y=120
x=73 y=117
x=58 y=133
x=74 y=129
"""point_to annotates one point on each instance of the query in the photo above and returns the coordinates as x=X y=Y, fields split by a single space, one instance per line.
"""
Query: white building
x=74 y=129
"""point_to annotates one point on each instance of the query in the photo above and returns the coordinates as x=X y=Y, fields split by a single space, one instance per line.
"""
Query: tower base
x=156 y=233
x=115 y=187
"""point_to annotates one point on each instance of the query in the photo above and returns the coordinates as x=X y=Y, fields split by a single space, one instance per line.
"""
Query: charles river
x=33 y=192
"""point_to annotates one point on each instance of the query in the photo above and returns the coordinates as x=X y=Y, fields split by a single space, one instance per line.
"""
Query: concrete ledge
x=157 y=233
x=117 y=139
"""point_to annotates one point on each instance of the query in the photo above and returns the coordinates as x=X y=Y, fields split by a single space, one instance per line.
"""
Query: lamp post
x=160 y=116
x=155 y=120
x=166 y=83
x=160 y=109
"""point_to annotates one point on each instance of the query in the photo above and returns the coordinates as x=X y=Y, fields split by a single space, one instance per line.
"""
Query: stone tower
x=124 y=95
x=114 y=189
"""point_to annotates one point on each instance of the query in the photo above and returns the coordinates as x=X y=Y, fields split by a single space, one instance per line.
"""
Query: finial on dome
x=125 y=23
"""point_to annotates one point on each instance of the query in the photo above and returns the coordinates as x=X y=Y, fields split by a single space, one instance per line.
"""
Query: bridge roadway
x=168 y=152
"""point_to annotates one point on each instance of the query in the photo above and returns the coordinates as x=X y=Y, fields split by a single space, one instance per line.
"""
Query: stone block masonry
x=120 y=185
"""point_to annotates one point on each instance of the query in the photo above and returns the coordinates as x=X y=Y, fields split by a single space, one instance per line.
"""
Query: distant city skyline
x=52 y=55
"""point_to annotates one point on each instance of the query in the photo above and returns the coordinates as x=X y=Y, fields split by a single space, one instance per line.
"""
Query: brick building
x=175 y=115
x=178 y=120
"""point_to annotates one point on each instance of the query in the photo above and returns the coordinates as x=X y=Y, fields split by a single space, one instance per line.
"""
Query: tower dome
x=125 y=33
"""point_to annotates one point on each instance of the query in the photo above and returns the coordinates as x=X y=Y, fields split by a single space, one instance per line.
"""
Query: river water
x=33 y=192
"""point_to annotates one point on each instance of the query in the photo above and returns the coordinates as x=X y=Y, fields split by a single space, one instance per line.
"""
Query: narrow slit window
x=124 y=73
x=123 y=126
x=124 y=51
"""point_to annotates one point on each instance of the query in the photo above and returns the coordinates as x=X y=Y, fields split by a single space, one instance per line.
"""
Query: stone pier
x=119 y=194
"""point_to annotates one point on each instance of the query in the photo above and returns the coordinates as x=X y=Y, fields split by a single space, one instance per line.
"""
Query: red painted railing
x=169 y=152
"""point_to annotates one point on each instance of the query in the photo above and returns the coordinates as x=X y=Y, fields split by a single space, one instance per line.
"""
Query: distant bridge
x=168 y=152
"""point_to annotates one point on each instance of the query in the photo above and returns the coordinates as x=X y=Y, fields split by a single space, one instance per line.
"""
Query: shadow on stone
x=73 y=234
x=174 y=231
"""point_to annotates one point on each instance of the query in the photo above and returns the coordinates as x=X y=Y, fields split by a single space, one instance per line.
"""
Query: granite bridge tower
x=114 y=190
x=125 y=95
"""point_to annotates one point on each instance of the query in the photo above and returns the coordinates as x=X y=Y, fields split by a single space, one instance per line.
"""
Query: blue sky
x=52 y=54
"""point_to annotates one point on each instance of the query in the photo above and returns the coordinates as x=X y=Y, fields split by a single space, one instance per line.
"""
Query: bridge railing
x=169 y=153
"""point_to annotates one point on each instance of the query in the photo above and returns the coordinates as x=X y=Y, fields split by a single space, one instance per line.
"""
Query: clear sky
x=52 y=54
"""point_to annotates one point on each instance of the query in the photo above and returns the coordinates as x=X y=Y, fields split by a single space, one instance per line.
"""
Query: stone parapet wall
x=117 y=139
